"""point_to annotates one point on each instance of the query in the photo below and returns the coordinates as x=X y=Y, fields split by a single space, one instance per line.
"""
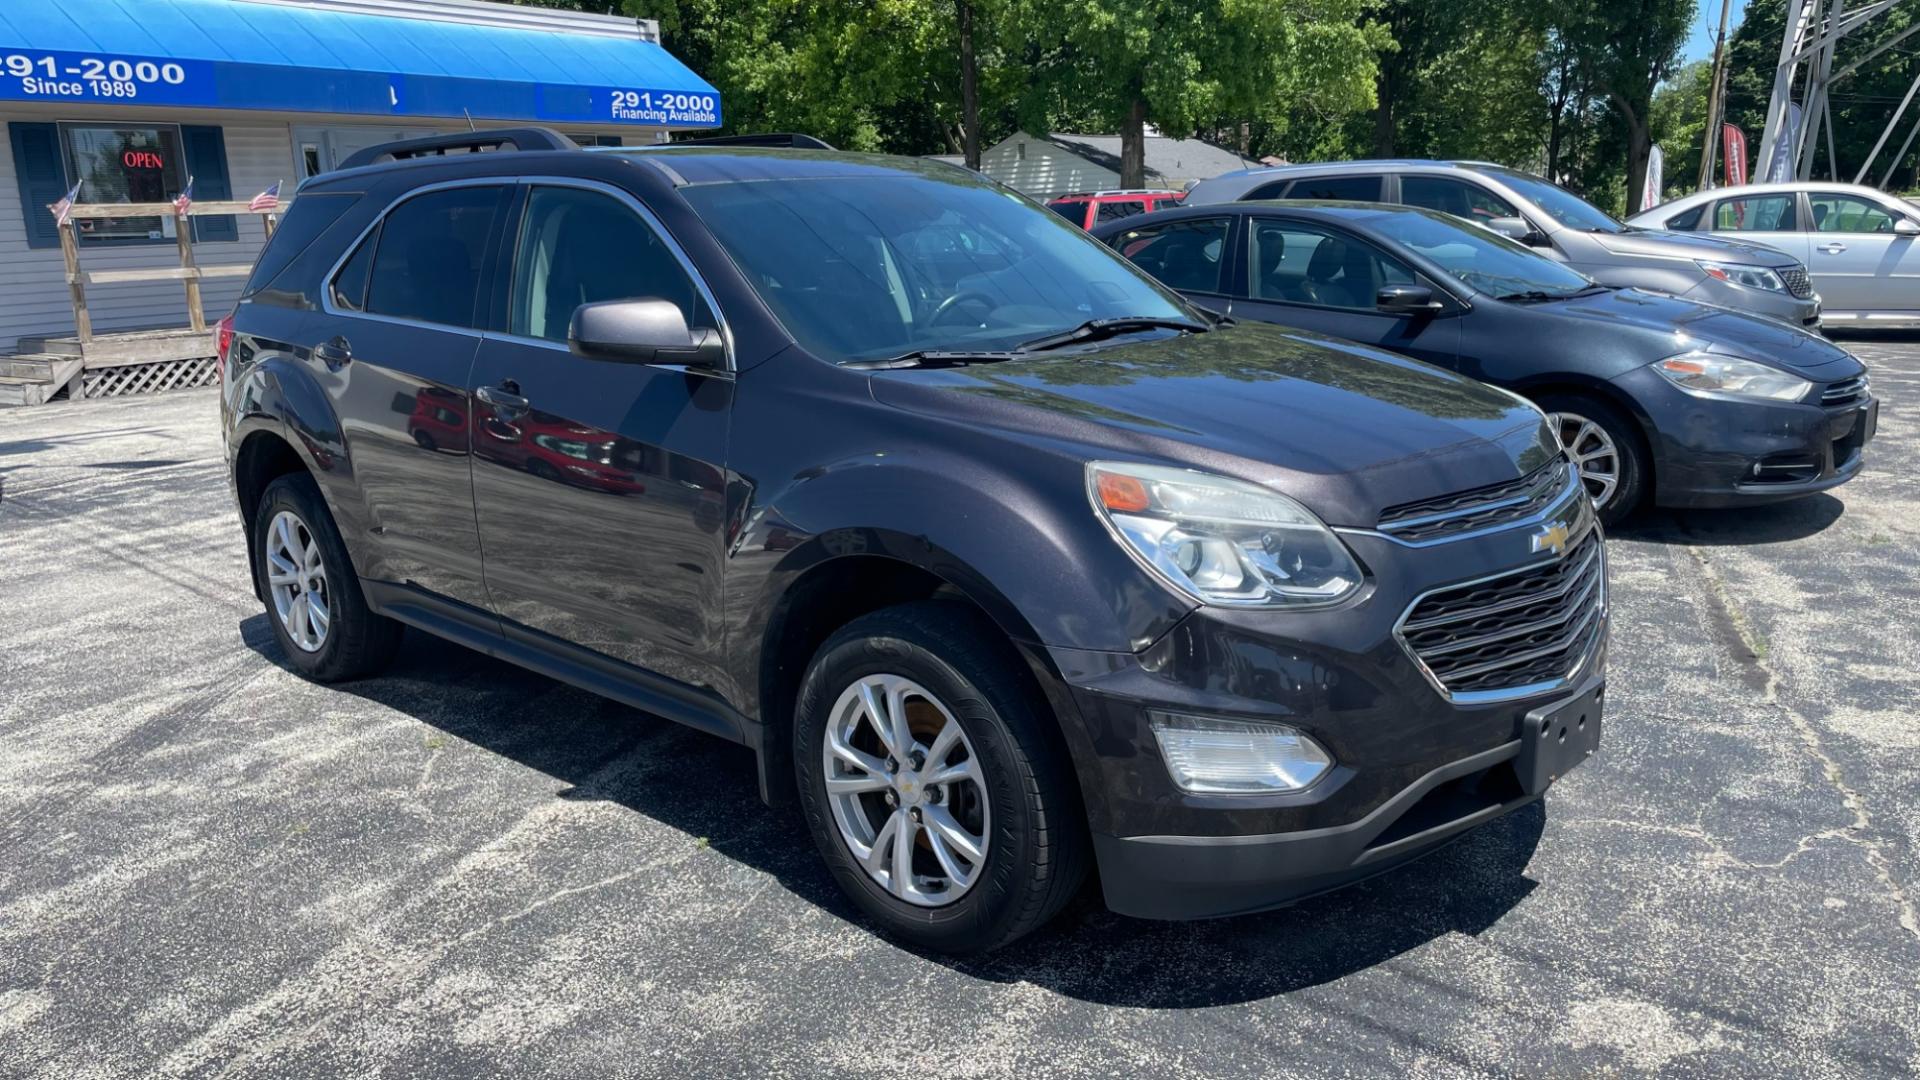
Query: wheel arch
x=1571 y=385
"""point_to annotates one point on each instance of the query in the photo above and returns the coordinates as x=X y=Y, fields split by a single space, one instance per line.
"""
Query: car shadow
x=1773 y=523
x=706 y=788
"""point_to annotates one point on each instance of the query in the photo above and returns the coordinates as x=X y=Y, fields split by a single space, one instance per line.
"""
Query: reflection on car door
x=1321 y=279
x=406 y=306
x=599 y=485
x=1858 y=263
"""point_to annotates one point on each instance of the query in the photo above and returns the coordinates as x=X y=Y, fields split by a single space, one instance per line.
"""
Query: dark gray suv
x=1006 y=562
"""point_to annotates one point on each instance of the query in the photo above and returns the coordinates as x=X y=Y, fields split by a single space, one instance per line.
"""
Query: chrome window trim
x=1572 y=489
x=347 y=253
x=1514 y=693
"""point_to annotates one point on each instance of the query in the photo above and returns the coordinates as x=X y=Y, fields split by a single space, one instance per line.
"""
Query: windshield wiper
x=936 y=358
x=1095 y=329
x=1534 y=296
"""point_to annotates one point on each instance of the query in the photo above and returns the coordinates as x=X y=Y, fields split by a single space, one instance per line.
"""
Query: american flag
x=63 y=210
x=266 y=200
x=185 y=200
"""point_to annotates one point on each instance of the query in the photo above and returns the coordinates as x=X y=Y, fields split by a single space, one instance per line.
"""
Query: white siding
x=1043 y=170
x=33 y=293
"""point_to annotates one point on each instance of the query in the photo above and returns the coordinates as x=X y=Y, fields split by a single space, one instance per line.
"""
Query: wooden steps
x=34 y=379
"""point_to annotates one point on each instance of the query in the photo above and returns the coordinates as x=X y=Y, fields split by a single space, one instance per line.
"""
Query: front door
x=599 y=485
x=400 y=343
x=1857 y=262
x=1319 y=279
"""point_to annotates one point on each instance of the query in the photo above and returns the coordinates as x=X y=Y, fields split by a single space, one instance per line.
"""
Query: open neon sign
x=143 y=159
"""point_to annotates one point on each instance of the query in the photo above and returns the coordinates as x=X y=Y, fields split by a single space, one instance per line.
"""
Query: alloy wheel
x=1592 y=450
x=297 y=581
x=906 y=790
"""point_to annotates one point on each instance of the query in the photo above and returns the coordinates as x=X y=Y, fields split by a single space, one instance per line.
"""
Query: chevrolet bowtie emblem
x=1551 y=537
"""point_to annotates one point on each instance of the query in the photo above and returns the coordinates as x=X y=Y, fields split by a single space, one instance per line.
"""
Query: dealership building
x=129 y=99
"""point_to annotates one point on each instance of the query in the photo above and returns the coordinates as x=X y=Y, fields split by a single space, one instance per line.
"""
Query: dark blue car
x=1656 y=397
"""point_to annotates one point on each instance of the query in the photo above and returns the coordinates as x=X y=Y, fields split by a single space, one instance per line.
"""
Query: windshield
x=1480 y=258
x=863 y=268
x=1558 y=203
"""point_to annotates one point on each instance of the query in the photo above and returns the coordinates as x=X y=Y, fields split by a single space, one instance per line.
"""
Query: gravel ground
x=211 y=867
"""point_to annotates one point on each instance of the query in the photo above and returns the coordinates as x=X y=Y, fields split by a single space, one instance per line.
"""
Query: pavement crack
x=1731 y=618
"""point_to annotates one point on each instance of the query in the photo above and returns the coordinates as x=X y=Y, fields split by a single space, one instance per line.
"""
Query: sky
x=1706 y=22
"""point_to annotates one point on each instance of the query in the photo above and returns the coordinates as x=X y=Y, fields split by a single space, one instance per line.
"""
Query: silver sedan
x=1860 y=245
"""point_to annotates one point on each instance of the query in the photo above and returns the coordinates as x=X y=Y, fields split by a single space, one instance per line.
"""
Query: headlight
x=1222 y=541
x=1706 y=373
x=1753 y=277
x=1236 y=757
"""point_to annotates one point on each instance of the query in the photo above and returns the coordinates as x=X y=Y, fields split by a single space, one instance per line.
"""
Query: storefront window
x=124 y=164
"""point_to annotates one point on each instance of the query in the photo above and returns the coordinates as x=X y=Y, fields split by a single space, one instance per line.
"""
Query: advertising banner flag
x=1733 y=154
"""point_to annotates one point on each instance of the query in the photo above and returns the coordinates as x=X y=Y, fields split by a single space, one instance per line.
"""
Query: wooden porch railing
x=187 y=273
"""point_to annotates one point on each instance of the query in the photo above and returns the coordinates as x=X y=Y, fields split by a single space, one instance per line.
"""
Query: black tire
x=1630 y=448
x=357 y=642
x=1037 y=853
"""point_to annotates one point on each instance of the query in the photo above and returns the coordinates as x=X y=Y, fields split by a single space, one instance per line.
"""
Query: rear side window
x=1754 y=213
x=427 y=264
x=1184 y=255
x=1117 y=209
x=307 y=217
x=1355 y=188
x=1687 y=220
x=348 y=291
x=1075 y=211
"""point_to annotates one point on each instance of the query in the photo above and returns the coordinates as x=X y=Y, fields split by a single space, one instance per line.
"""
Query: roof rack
x=522 y=138
x=784 y=140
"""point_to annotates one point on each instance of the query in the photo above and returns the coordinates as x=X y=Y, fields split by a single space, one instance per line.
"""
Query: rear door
x=404 y=309
x=1318 y=278
x=1771 y=220
x=1191 y=255
x=599 y=485
x=1856 y=260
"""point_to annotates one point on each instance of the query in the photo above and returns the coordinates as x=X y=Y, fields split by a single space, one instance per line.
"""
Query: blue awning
x=235 y=54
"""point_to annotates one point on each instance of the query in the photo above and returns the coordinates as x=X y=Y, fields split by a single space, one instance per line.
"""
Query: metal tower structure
x=1815 y=29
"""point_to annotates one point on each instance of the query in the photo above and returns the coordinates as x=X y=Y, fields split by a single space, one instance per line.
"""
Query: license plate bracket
x=1557 y=737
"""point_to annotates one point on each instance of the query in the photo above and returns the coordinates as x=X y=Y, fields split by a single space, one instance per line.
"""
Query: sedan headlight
x=1753 y=277
x=1222 y=541
x=1712 y=375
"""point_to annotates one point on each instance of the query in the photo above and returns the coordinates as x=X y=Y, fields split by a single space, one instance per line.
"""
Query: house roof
x=1167 y=158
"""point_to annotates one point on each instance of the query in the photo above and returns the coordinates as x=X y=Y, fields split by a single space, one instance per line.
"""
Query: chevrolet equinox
x=1009 y=564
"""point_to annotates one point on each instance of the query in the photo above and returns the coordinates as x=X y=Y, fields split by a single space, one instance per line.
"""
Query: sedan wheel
x=297 y=581
x=1593 y=451
x=906 y=790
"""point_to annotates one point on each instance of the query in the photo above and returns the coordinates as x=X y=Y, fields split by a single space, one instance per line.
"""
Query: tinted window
x=1186 y=255
x=1480 y=258
x=427 y=266
x=1301 y=264
x=1754 y=213
x=580 y=247
x=1833 y=212
x=1114 y=211
x=1456 y=197
x=1275 y=190
x=349 y=286
x=306 y=218
x=1356 y=188
x=1075 y=212
x=1687 y=220
x=846 y=266
x=1557 y=202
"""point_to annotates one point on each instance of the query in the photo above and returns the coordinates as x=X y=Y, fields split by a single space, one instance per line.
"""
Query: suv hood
x=1345 y=429
x=1669 y=325
x=1674 y=245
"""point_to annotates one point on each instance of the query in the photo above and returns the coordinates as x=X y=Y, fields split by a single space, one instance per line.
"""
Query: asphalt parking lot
x=210 y=867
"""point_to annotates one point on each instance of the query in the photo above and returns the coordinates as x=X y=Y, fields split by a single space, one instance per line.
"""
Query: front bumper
x=1784 y=307
x=1413 y=767
x=1713 y=452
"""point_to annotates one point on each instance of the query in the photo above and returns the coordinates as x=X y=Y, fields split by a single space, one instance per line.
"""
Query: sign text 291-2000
x=88 y=76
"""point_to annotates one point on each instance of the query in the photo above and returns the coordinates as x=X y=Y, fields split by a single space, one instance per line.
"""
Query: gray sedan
x=1860 y=245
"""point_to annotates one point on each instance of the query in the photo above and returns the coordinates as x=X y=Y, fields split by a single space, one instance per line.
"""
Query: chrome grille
x=1796 y=280
x=1844 y=391
x=1478 y=508
x=1525 y=629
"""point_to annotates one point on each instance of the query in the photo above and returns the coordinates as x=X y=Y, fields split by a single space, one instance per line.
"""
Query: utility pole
x=1715 y=100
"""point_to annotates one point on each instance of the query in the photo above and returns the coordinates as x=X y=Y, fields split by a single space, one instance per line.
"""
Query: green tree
x=1680 y=121
x=1625 y=49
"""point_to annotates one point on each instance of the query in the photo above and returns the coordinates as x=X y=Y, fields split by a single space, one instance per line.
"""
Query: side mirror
x=1406 y=300
x=645 y=331
x=1905 y=227
x=1517 y=229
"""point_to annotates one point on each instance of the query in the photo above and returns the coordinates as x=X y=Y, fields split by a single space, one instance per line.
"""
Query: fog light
x=1236 y=757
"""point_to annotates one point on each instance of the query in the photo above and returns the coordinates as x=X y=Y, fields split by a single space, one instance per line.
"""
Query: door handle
x=335 y=354
x=1834 y=247
x=505 y=396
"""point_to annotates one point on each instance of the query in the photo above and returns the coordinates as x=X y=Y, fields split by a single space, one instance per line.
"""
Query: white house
x=1058 y=163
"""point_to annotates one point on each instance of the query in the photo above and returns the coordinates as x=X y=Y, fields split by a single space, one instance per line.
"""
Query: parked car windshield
x=1479 y=258
x=861 y=268
x=1558 y=203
